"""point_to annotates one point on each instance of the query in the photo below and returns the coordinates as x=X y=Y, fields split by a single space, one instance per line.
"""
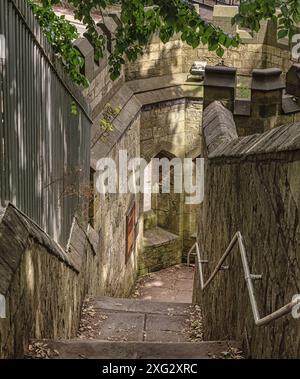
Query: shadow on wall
x=257 y=50
x=45 y=145
x=171 y=129
x=158 y=59
x=44 y=285
x=252 y=186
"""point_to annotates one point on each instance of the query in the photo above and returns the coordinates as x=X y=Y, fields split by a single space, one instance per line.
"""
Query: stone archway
x=162 y=221
x=152 y=150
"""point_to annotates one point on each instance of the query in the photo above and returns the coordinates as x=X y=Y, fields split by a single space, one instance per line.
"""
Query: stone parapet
x=251 y=186
x=293 y=81
x=43 y=285
x=266 y=92
x=272 y=101
x=218 y=126
x=219 y=84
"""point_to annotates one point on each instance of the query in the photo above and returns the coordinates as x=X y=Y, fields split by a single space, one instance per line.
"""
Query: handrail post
x=248 y=278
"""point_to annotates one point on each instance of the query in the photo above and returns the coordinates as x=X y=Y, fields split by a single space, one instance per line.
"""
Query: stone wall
x=43 y=285
x=252 y=186
x=148 y=110
x=118 y=276
x=162 y=249
x=101 y=88
x=257 y=50
x=248 y=56
x=272 y=101
x=158 y=59
x=173 y=127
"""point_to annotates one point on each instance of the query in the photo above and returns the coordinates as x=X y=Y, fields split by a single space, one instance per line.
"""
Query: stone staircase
x=135 y=329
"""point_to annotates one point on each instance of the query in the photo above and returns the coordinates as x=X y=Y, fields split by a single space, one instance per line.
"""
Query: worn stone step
x=140 y=306
x=84 y=349
x=136 y=320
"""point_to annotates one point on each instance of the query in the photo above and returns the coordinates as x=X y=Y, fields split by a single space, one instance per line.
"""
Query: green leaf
x=282 y=33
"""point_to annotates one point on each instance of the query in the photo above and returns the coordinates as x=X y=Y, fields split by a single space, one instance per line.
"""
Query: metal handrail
x=238 y=239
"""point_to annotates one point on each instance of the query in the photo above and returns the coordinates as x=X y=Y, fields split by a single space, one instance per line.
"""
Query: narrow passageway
x=173 y=284
x=163 y=297
x=158 y=321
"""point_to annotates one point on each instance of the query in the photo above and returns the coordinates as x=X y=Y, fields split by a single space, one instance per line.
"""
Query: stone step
x=134 y=320
x=132 y=329
x=140 y=306
x=96 y=349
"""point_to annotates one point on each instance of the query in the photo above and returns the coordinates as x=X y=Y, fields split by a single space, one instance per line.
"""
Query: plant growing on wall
x=106 y=122
x=141 y=18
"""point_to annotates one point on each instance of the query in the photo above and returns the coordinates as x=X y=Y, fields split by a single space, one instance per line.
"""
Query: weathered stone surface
x=173 y=284
x=261 y=50
x=87 y=50
x=43 y=285
x=150 y=220
x=76 y=246
x=93 y=239
x=218 y=126
x=292 y=80
x=161 y=249
x=163 y=328
x=252 y=185
x=78 y=349
x=131 y=305
x=137 y=320
x=105 y=270
x=118 y=326
x=158 y=236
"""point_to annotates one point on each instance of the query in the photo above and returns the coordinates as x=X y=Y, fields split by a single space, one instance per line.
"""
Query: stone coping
x=221 y=138
x=17 y=231
x=158 y=236
x=225 y=10
x=132 y=97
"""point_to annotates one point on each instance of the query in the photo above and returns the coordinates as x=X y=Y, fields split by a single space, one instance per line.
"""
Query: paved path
x=167 y=326
x=112 y=319
x=174 y=284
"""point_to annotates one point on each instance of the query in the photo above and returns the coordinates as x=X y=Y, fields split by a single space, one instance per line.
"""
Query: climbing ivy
x=106 y=122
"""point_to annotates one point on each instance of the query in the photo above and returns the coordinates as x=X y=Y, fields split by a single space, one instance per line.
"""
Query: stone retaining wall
x=162 y=249
x=257 y=50
x=251 y=185
x=173 y=127
x=43 y=285
x=117 y=275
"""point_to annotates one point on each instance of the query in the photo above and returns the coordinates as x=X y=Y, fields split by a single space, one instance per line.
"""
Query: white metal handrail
x=238 y=239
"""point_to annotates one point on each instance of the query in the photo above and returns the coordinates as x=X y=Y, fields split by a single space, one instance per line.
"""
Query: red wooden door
x=130 y=231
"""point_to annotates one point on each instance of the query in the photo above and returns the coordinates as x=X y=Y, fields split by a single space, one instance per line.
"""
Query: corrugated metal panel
x=44 y=149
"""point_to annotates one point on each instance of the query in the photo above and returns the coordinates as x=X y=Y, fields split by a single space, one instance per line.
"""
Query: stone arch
x=157 y=153
x=165 y=147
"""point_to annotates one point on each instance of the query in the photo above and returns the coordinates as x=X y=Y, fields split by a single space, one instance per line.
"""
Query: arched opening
x=162 y=215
